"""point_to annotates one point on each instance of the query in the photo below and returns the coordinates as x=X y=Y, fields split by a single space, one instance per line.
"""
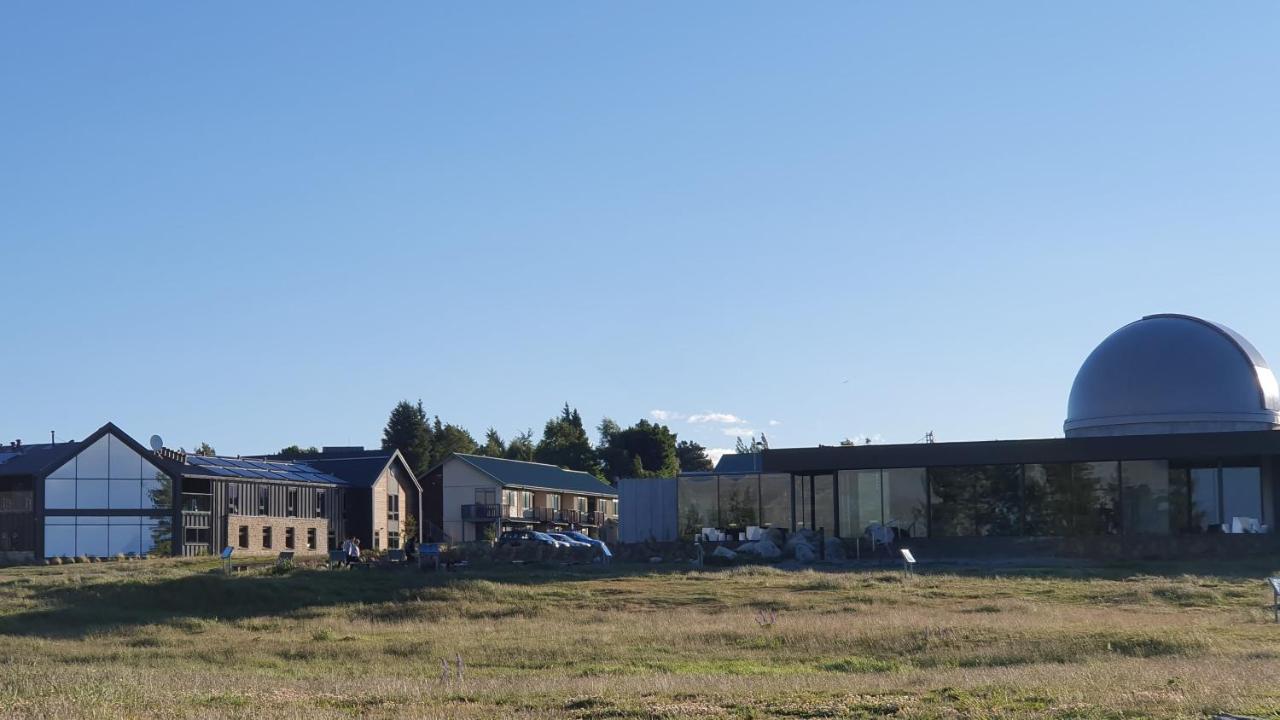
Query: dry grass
x=174 y=639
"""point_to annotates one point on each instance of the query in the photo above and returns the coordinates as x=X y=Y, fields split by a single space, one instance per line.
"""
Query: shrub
x=82 y=558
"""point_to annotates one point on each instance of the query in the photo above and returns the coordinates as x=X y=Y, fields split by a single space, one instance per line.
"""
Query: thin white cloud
x=716 y=417
x=716 y=453
x=666 y=415
x=738 y=431
x=775 y=423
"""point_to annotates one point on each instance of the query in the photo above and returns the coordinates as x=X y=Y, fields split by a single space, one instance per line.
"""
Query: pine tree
x=643 y=450
x=521 y=447
x=693 y=457
x=565 y=443
x=493 y=445
x=408 y=432
x=447 y=439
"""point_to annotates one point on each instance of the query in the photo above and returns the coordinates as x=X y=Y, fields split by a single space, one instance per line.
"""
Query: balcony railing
x=196 y=519
x=481 y=512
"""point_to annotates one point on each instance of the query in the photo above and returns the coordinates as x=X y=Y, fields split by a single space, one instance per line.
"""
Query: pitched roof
x=360 y=470
x=537 y=475
x=739 y=463
x=41 y=459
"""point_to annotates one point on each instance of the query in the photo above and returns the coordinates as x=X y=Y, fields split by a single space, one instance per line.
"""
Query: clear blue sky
x=258 y=225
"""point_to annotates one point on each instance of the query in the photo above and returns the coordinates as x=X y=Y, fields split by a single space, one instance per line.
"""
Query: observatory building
x=1170 y=449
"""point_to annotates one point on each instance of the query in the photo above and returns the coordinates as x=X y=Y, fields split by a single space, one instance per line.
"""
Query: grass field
x=171 y=638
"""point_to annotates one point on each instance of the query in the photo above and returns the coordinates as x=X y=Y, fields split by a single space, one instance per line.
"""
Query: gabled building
x=108 y=495
x=477 y=493
x=383 y=498
x=101 y=496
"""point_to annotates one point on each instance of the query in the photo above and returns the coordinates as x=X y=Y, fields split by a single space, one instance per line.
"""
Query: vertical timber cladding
x=222 y=535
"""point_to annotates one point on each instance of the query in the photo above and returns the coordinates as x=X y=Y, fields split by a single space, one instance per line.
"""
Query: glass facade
x=1106 y=497
x=108 y=476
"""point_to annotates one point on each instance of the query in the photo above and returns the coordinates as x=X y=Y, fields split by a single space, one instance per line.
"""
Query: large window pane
x=157 y=489
x=1180 y=499
x=824 y=503
x=92 y=462
x=802 y=497
x=696 y=503
x=775 y=500
x=67 y=471
x=157 y=536
x=1241 y=495
x=1145 y=486
x=125 y=463
x=1095 y=489
x=739 y=500
x=906 y=501
x=1205 y=513
x=997 y=500
x=861 y=503
x=60 y=494
x=125 y=494
x=91 y=494
x=92 y=540
x=1047 y=500
x=126 y=539
x=59 y=540
x=952 y=491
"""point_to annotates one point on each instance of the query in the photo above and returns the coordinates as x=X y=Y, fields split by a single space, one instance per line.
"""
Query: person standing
x=353 y=554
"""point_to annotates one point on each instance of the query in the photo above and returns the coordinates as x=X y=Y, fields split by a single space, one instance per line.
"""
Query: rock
x=835 y=550
x=775 y=536
x=801 y=537
x=655 y=559
x=804 y=552
x=724 y=552
x=763 y=548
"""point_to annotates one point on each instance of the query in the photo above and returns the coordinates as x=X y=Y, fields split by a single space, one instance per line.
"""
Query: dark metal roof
x=43 y=458
x=227 y=468
x=362 y=470
x=1173 y=373
x=1206 y=447
x=537 y=475
x=738 y=463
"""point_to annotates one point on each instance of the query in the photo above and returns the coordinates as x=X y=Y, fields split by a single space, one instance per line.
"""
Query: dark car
x=525 y=538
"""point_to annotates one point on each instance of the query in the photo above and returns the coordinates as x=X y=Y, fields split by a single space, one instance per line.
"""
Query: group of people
x=351 y=550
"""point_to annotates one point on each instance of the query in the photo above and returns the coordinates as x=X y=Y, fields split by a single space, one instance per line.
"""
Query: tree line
x=645 y=449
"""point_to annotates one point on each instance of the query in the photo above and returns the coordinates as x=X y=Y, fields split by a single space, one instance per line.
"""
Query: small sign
x=430 y=549
x=226 y=552
x=907 y=557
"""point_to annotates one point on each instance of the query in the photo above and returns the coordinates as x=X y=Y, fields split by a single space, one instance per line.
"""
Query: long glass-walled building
x=1171 y=430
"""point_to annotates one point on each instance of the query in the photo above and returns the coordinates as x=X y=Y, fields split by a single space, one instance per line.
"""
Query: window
x=1144 y=485
x=393 y=540
x=696 y=503
x=906 y=500
x=580 y=503
x=320 y=504
x=775 y=501
x=802 y=501
x=243 y=540
x=233 y=499
x=291 y=507
x=975 y=500
x=508 y=498
x=289 y=538
x=266 y=538
x=526 y=502
x=311 y=538
x=553 y=502
x=860 y=501
x=393 y=508
x=196 y=536
x=1241 y=496
x=264 y=500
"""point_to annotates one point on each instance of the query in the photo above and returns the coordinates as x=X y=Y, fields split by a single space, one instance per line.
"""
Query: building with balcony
x=478 y=494
x=107 y=495
x=1171 y=446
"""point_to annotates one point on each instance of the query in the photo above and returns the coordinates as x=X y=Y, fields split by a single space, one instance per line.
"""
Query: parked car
x=523 y=538
x=583 y=537
x=568 y=540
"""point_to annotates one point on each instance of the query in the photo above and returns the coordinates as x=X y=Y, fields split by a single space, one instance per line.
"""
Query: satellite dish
x=157 y=443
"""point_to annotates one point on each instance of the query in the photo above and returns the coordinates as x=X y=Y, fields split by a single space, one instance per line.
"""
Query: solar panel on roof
x=259 y=465
x=198 y=460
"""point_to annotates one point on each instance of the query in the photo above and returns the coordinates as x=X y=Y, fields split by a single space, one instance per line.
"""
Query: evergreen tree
x=205 y=449
x=294 y=452
x=408 y=432
x=446 y=439
x=565 y=443
x=752 y=445
x=643 y=450
x=693 y=457
x=521 y=447
x=493 y=445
